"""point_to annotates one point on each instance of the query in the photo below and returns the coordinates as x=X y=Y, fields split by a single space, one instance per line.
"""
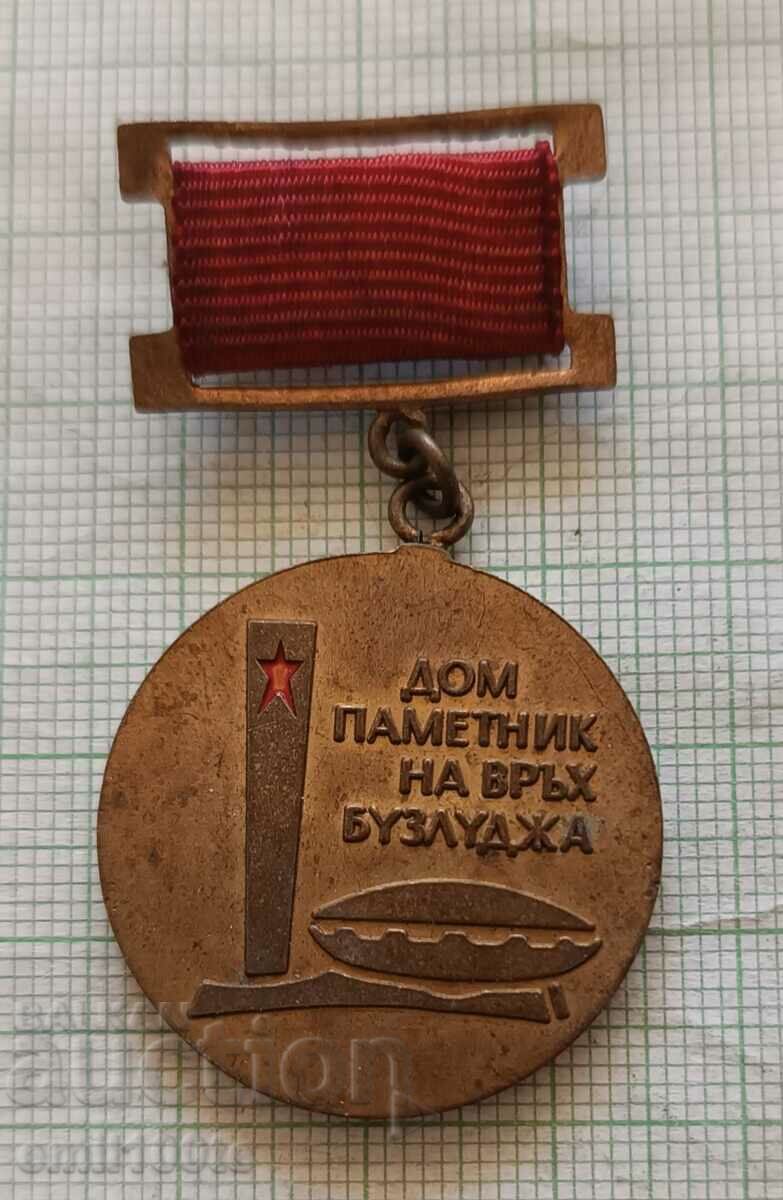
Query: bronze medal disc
x=380 y=835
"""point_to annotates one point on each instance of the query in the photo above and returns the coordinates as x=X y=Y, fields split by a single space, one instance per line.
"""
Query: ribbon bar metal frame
x=160 y=382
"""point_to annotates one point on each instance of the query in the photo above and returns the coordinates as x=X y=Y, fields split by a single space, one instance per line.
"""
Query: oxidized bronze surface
x=160 y=382
x=380 y=835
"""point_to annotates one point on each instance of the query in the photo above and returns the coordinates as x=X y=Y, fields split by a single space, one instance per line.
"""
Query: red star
x=279 y=672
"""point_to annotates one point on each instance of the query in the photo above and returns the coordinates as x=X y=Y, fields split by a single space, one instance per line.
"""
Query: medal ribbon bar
x=327 y=261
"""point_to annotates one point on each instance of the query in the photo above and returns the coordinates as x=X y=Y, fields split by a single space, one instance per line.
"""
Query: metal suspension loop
x=428 y=479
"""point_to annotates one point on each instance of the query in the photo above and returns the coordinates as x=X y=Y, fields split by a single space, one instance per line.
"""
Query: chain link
x=427 y=478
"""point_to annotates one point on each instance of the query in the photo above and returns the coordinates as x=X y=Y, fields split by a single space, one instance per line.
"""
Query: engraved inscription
x=559 y=768
x=456 y=678
x=483 y=830
x=481 y=727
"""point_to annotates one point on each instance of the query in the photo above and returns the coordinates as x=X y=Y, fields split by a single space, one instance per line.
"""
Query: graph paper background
x=649 y=516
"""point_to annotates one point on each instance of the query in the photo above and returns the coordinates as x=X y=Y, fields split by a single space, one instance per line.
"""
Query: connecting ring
x=427 y=477
x=409 y=490
x=438 y=475
x=377 y=438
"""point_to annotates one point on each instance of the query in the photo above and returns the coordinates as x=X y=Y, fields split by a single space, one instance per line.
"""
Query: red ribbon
x=403 y=256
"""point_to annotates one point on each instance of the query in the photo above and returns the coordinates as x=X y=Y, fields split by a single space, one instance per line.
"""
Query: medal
x=379 y=835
